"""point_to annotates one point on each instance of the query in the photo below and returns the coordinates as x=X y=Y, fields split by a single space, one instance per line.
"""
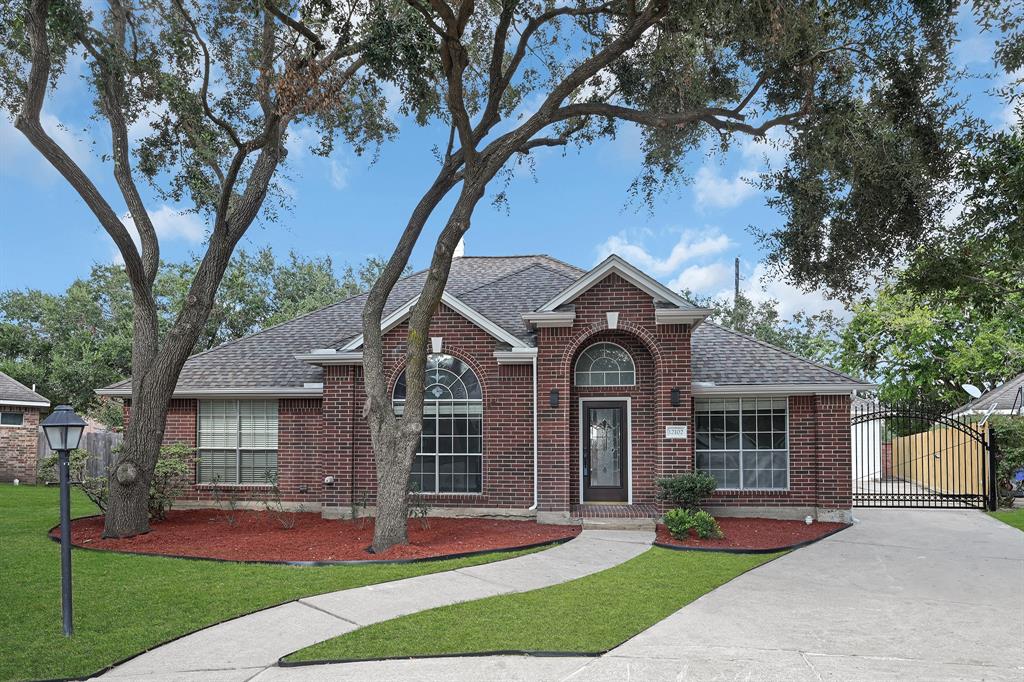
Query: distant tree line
x=68 y=344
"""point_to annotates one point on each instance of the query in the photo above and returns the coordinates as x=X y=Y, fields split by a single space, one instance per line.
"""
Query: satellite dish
x=972 y=390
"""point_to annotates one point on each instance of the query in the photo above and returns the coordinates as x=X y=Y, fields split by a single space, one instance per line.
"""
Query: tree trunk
x=394 y=453
x=128 y=505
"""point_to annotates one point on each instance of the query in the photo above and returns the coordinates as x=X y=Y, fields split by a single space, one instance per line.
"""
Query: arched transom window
x=605 y=364
x=451 y=444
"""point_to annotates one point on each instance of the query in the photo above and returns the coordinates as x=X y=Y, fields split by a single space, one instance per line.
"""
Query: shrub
x=706 y=525
x=688 y=490
x=419 y=506
x=94 y=487
x=170 y=479
x=1009 y=433
x=679 y=522
x=273 y=502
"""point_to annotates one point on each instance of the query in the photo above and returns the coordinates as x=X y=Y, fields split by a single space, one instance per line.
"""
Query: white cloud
x=19 y=155
x=711 y=189
x=772 y=149
x=760 y=286
x=702 y=278
x=690 y=246
x=301 y=138
x=339 y=174
x=170 y=224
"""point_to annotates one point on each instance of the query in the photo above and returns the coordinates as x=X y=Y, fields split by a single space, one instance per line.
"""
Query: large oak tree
x=216 y=85
x=859 y=88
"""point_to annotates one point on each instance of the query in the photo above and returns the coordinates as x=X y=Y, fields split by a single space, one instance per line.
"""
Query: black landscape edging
x=738 y=550
x=473 y=654
x=313 y=564
x=104 y=670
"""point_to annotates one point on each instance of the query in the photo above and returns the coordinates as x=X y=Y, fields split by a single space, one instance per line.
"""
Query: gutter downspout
x=536 y=488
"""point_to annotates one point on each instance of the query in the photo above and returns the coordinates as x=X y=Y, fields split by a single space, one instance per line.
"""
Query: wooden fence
x=100 y=444
x=945 y=460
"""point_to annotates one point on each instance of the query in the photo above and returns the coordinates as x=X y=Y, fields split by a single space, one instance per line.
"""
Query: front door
x=605 y=456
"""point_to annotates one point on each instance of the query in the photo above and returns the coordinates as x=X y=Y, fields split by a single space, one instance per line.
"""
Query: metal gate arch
x=915 y=457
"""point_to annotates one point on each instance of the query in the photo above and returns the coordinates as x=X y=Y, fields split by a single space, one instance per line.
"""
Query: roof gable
x=641 y=280
x=468 y=312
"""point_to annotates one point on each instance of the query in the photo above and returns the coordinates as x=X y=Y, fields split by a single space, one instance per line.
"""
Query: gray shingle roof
x=267 y=359
x=18 y=392
x=727 y=358
x=1002 y=397
x=499 y=288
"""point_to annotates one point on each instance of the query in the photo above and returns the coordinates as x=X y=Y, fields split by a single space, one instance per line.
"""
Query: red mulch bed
x=751 y=533
x=257 y=536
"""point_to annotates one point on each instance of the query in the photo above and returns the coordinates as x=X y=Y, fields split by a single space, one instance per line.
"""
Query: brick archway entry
x=636 y=407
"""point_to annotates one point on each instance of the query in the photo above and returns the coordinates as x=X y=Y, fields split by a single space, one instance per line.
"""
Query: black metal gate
x=907 y=456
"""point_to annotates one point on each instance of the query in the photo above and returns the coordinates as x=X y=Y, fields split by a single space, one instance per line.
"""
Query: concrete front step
x=646 y=524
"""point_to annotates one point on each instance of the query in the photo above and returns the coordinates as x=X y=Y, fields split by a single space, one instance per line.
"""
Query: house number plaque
x=675 y=432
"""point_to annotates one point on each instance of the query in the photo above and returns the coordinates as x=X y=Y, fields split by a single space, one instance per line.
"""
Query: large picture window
x=605 y=364
x=237 y=441
x=451 y=444
x=743 y=442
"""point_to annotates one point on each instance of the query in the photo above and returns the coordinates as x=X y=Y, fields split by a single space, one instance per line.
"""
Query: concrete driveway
x=904 y=594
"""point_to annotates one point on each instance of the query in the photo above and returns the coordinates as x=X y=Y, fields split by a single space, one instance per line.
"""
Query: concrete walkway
x=905 y=594
x=240 y=649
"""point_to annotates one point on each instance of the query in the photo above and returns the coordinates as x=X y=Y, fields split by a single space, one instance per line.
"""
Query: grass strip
x=1011 y=517
x=126 y=604
x=588 y=615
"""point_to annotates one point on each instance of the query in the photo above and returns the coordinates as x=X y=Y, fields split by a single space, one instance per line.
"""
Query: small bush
x=170 y=479
x=679 y=522
x=706 y=525
x=94 y=487
x=688 y=490
x=1009 y=433
x=419 y=506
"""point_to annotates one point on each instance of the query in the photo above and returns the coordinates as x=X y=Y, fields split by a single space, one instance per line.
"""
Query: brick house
x=552 y=393
x=20 y=408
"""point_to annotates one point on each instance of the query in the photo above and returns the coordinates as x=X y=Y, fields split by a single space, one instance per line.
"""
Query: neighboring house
x=547 y=386
x=20 y=408
x=1007 y=398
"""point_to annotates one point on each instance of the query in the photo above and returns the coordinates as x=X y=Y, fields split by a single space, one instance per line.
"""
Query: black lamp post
x=63 y=431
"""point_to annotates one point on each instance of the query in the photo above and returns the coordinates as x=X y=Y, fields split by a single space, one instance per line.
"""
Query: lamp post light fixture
x=63 y=431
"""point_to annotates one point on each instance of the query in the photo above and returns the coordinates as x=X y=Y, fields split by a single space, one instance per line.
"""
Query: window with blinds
x=237 y=441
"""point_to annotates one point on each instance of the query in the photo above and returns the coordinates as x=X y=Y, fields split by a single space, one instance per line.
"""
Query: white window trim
x=238 y=445
x=437 y=468
x=575 y=366
x=741 y=489
x=629 y=442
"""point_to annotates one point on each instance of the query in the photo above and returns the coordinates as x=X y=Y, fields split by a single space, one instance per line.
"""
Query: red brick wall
x=18 y=446
x=662 y=355
x=819 y=458
x=507 y=426
x=300 y=445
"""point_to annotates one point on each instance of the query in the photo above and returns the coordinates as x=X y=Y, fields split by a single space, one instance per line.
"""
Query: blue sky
x=574 y=209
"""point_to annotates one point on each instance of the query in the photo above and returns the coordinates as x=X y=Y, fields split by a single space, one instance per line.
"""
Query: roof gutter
x=841 y=388
x=312 y=390
x=26 y=403
x=330 y=356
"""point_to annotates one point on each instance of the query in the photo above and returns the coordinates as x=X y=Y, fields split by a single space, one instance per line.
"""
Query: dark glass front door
x=605 y=464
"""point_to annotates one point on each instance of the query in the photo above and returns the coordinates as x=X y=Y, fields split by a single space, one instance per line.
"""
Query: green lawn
x=1012 y=517
x=125 y=604
x=591 y=614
